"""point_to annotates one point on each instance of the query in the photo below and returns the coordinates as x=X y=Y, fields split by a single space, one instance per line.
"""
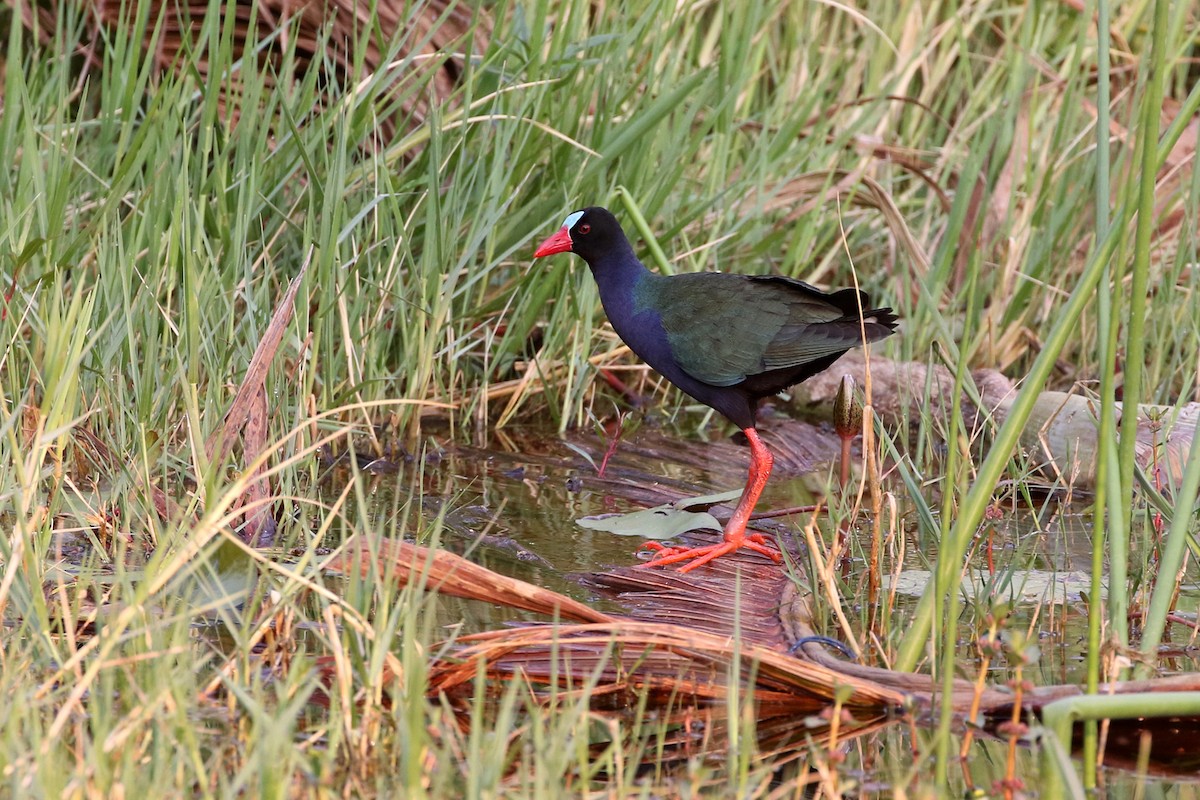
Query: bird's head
x=588 y=232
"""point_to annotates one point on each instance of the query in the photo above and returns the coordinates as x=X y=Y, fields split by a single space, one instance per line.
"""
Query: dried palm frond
x=624 y=655
x=426 y=42
x=615 y=658
x=627 y=657
x=446 y=573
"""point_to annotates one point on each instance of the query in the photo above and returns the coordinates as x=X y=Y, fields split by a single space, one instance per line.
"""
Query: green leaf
x=662 y=522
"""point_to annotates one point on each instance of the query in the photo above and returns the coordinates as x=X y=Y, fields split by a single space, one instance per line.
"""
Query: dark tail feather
x=879 y=323
x=882 y=316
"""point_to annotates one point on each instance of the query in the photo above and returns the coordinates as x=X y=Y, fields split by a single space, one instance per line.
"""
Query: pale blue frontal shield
x=571 y=219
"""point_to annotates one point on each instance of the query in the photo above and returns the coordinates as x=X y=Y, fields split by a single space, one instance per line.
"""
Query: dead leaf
x=662 y=522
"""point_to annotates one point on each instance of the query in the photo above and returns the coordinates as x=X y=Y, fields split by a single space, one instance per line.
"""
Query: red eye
x=585 y=229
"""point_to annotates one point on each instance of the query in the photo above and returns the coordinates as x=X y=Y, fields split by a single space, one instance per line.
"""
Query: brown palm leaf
x=434 y=37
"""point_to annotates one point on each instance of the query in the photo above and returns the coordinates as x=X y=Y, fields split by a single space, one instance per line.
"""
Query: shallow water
x=512 y=506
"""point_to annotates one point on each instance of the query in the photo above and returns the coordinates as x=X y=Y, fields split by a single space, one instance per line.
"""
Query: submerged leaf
x=1033 y=585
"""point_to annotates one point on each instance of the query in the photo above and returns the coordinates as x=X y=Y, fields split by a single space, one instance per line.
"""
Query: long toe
x=698 y=556
x=665 y=555
x=758 y=544
x=717 y=551
x=674 y=555
x=660 y=550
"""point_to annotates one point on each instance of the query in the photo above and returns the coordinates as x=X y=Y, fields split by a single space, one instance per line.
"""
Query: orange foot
x=702 y=555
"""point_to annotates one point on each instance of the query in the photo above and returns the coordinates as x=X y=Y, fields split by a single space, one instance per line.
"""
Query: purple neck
x=617 y=272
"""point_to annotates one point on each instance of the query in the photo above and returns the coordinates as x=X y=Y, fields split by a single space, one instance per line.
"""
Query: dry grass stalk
x=433 y=43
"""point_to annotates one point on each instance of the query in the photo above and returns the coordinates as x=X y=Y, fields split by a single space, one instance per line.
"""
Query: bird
x=728 y=340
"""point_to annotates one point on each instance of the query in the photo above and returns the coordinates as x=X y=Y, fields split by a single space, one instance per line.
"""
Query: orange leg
x=735 y=530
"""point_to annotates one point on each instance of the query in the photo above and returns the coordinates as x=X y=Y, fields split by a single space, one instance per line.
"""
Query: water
x=512 y=506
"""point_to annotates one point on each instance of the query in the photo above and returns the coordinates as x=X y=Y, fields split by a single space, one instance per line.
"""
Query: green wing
x=724 y=328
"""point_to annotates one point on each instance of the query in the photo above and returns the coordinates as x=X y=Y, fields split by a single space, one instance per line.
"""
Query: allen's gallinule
x=727 y=340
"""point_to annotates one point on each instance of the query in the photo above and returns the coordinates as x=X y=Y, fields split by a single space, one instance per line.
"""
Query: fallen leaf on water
x=1033 y=585
x=662 y=522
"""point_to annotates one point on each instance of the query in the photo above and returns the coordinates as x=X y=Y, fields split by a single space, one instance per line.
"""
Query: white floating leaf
x=662 y=522
x=1035 y=585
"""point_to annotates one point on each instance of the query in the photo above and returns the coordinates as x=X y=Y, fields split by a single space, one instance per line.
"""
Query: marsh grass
x=146 y=236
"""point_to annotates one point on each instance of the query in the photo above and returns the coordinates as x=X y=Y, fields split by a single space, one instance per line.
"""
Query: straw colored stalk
x=434 y=43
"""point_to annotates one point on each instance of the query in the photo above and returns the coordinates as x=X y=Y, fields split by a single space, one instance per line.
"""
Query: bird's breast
x=641 y=329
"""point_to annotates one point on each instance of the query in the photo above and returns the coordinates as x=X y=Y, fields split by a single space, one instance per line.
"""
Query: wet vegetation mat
x=673 y=642
x=315 y=483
